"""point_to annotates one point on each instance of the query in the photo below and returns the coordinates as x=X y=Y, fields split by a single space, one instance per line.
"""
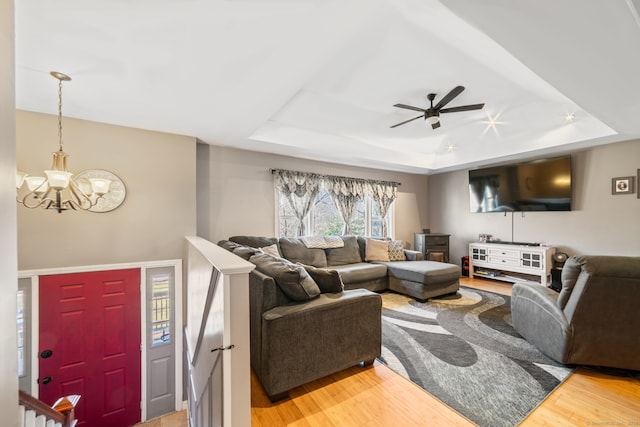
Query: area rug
x=463 y=350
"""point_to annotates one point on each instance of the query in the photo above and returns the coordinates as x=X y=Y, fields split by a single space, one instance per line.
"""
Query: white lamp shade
x=100 y=186
x=37 y=183
x=20 y=176
x=58 y=179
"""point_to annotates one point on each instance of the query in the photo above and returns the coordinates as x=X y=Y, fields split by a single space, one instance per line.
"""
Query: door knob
x=46 y=380
x=46 y=354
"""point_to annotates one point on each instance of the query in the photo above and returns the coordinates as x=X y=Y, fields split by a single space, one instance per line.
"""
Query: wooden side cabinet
x=434 y=247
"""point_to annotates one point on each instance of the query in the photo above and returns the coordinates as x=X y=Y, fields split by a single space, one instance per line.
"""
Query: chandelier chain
x=60 y=113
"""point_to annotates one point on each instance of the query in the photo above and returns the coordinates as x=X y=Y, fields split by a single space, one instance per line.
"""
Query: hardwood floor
x=377 y=396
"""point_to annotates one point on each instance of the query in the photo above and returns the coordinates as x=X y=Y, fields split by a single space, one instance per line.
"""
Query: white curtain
x=345 y=193
x=383 y=195
x=301 y=190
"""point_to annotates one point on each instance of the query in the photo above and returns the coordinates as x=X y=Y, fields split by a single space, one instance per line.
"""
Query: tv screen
x=539 y=185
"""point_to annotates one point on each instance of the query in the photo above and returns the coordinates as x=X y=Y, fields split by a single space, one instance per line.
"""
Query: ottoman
x=423 y=279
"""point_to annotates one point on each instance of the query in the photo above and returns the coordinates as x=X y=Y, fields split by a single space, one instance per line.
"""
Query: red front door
x=90 y=331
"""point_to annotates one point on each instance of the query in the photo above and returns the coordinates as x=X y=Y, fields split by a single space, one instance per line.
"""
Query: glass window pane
x=325 y=217
x=359 y=218
x=20 y=333
x=160 y=311
x=288 y=222
x=376 y=221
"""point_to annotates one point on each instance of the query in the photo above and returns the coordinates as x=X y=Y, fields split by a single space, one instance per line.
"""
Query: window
x=287 y=221
x=21 y=334
x=160 y=311
x=324 y=219
x=377 y=220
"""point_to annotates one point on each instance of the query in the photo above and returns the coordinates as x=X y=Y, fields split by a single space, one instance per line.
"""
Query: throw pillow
x=230 y=246
x=293 y=279
x=245 y=252
x=272 y=250
x=396 y=251
x=348 y=254
x=329 y=281
x=294 y=249
x=377 y=250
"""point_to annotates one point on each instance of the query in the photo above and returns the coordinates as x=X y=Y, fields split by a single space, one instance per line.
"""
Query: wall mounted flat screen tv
x=538 y=185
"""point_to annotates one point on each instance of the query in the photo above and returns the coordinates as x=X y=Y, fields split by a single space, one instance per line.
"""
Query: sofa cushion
x=271 y=250
x=425 y=272
x=348 y=254
x=377 y=250
x=329 y=281
x=245 y=252
x=396 y=251
x=294 y=250
x=230 y=246
x=293 y=279
x=255 y=242
x=360 y=272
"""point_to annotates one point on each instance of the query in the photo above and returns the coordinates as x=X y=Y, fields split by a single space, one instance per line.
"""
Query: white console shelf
x=511 y=263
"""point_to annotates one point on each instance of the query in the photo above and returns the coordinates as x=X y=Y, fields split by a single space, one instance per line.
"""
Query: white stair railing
x=217 y=336
x=28 y=418
x=35 y=413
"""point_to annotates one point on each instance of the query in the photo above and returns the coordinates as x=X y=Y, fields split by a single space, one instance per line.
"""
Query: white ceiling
x=318 y=78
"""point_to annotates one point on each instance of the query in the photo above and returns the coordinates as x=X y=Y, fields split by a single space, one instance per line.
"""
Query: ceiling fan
x=432 y=114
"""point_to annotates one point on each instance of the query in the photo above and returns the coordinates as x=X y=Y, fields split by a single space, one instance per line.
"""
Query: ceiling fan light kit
x=431 y=117
x=432 y=114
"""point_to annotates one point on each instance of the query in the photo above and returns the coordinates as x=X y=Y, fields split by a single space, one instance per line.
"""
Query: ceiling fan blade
x=409 y=107
x=448 y=97
x=462 y=108
x=407 y=121
x=436 y=125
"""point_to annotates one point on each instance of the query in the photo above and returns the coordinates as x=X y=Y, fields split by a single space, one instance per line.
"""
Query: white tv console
x=511 y=263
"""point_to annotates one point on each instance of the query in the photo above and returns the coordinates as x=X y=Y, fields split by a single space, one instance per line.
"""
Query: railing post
x=217 y=335
x=66 y=406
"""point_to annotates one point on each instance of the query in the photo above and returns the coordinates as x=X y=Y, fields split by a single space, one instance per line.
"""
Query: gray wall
x=158 y=170
x=8 y=255
x=236 y=194
x=600 y=223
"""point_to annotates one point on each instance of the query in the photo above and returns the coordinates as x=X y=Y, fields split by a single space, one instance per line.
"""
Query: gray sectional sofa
x=315 y=311
x=412 y=276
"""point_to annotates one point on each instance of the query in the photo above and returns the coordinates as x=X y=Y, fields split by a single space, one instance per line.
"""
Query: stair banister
x=61 y=412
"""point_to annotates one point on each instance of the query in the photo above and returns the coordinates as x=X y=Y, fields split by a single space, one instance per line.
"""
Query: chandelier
x=56 y=190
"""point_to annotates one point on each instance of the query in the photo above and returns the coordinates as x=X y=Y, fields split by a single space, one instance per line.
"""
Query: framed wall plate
x=117 y=191
x=622 y=185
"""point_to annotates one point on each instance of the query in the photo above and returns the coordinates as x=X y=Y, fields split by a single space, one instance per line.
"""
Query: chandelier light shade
x=57 y=190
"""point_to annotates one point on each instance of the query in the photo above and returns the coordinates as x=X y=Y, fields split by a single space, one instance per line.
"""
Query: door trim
x=143 y=266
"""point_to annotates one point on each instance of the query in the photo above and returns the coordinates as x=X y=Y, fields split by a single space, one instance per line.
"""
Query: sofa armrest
x=538 y=318
x=264 y=294
x=413 y=255
x=302 y=342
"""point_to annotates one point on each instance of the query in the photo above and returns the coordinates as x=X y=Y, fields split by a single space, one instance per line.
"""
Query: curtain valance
x=323 y=177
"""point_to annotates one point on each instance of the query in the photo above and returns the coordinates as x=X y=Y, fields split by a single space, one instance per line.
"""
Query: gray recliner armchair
x=594 y=320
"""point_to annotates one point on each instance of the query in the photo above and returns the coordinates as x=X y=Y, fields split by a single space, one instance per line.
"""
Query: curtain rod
x=322 y=175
